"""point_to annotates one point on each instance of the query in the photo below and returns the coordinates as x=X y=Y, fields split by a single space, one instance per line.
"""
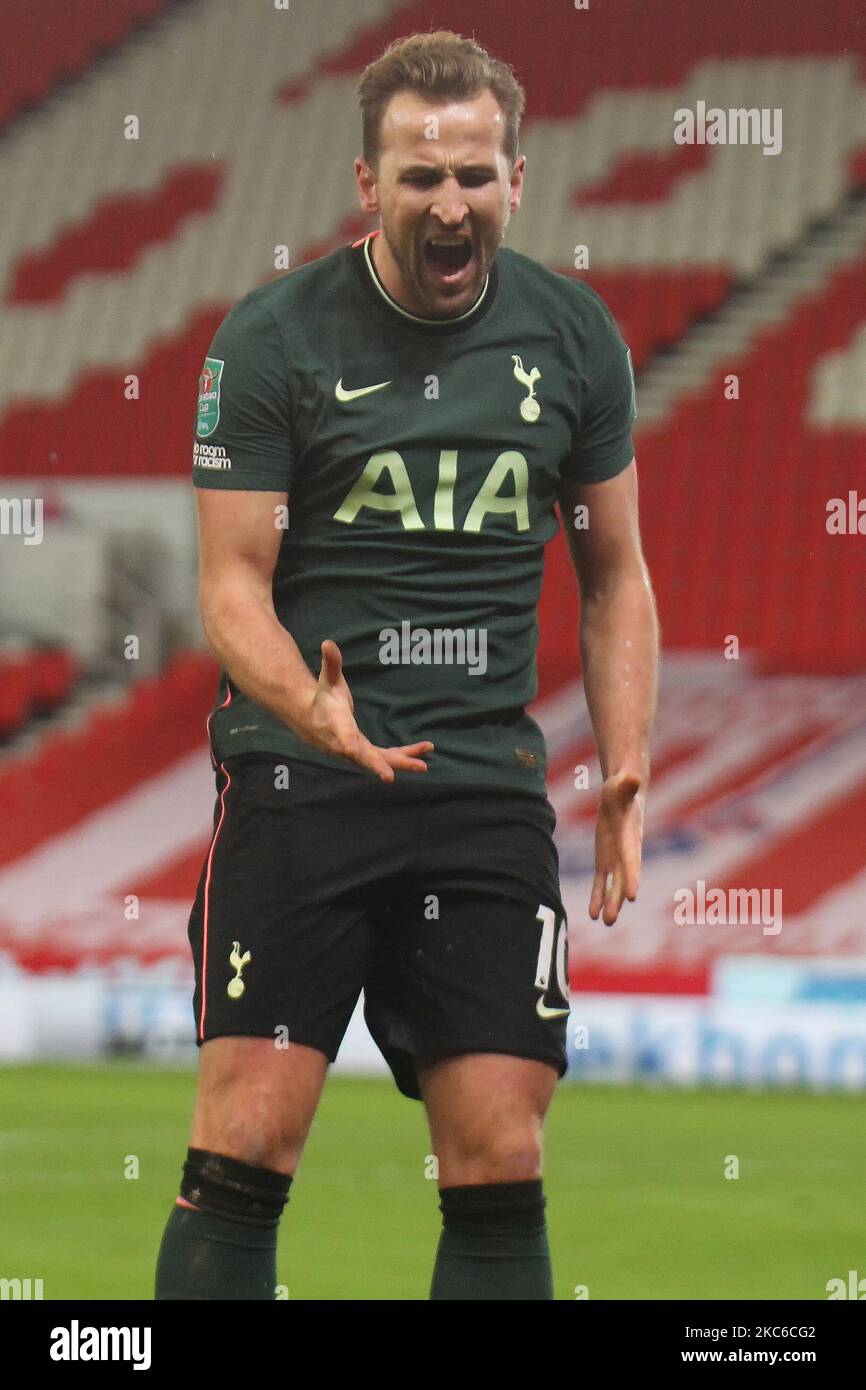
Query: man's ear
x=517 y=173
x=365 y=178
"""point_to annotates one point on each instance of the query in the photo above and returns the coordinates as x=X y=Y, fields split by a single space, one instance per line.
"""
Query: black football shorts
x=441 y=902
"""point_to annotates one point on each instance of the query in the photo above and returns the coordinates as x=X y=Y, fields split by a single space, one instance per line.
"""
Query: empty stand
x=33 y=681
x=47 y=43
x=118 y=744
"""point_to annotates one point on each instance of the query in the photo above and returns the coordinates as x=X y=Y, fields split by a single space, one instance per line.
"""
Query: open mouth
x=449 y=260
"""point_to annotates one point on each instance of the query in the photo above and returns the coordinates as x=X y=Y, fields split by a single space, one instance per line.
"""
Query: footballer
x=383 y=437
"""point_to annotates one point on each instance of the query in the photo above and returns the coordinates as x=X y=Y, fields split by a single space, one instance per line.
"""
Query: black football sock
x=221 y=1238
x=493 y=1244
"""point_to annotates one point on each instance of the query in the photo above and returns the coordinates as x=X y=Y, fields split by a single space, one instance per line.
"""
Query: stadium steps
x=115 y=234
x=92 y=691
x=745 y=550
x=655 y=308
x=605 y=47
x=37 y=53
x=768 y=299
x=645 y=177
x=734 y=493
x=838 y=394
x=109 y=746
x=35 y=681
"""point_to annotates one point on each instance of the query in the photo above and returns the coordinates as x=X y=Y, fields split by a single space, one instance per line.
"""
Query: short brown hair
x=444 y=66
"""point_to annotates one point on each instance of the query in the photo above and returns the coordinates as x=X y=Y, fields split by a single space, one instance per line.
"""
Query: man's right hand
x=329 y=725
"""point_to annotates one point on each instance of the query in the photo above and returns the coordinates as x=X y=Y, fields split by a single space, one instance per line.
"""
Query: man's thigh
x=473 y=959
x=256 y=1101
x=280 y=927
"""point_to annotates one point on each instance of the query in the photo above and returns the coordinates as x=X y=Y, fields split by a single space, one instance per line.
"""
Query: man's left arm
x=619 y=646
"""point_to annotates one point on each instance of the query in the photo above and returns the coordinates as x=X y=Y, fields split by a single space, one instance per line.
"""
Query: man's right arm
x=239 y=541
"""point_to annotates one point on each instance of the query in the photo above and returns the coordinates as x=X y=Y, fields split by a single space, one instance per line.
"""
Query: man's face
x=444 y=191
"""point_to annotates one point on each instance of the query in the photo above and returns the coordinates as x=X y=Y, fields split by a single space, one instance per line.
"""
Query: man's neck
x=392 y=280
x=389 y=274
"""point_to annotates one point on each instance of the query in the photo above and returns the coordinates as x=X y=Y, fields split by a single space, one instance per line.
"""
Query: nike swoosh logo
x=544 y=1012
x=343 y=395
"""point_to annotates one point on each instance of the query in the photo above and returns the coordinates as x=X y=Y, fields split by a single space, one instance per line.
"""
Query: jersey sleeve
x=603 y=445
x=243 y=421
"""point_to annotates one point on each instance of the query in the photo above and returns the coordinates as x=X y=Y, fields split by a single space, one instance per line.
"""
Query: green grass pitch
x=638 y=1204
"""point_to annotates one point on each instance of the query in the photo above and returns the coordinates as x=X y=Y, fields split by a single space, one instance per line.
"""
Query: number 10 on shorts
x=551 y=954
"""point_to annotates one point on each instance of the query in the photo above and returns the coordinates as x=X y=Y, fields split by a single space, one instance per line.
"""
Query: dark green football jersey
x=422 y=459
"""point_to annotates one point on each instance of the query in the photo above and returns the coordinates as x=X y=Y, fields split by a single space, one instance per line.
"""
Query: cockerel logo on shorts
x=237 y=961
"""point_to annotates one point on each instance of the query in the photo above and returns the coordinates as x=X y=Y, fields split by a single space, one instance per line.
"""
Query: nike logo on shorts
x=544 y=1011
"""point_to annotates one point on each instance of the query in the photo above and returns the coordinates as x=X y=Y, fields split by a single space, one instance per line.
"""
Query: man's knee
x=510 y=1153
x=255 y=1106
x=254 y=1133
